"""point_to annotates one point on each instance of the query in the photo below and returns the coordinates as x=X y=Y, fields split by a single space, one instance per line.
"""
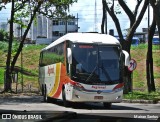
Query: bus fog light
x=118 y=97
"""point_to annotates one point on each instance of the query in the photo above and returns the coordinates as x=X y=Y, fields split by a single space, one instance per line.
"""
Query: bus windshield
x=96 y=64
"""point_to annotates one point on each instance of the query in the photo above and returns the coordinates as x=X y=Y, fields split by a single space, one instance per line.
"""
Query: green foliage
x=145 y=46
x=156 y=75
x=139 y=47
x=3 y=46
x=1 y=76
x=157 y=61
x=139 y=84
x=50 y=58
x=34 y=47
x=15 y=48
x=142 y=95
x=156 y=47
x=61 y=8
x=3 y=35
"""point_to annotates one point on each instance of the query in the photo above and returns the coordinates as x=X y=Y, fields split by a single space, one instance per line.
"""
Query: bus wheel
x=45 y=98
x=42 y=92
x=107 y=105
x=65 y=102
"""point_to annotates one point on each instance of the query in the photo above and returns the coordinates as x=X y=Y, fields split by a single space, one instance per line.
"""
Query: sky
x=86 y=14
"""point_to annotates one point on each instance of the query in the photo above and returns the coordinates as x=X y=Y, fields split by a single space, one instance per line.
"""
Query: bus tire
x=42 y=92
x=65 y=102
x=45 y=98
x=107 y=105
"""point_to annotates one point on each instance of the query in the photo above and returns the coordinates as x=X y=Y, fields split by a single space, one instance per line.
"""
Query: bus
x=83 y=67
x=156 y=40
x=135 y=40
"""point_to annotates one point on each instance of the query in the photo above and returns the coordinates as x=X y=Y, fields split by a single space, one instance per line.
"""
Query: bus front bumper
x=99 y=96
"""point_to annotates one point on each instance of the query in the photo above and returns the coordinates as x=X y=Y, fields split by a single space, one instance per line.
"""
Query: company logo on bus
x=50 y=70
x=85 y=46
x=99 y=87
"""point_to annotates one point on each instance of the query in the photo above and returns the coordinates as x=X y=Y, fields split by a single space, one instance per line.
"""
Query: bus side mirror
x=127 y=57
x=69 y=55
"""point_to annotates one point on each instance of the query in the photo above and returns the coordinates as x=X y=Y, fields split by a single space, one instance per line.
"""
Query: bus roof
x=85 y=38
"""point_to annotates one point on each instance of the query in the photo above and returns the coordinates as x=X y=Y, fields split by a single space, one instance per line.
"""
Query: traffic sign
x=132 y=65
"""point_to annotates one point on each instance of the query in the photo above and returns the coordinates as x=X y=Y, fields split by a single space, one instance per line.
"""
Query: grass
x=139 y=74
x=30 y=59
x=155 y=96
x=1 y=76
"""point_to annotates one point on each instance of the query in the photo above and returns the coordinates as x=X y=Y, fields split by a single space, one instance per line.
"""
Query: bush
x=4 y=36
x=3 y=46
x=1 y=76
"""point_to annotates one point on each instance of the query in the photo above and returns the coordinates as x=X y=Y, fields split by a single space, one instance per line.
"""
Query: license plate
x=98 y=97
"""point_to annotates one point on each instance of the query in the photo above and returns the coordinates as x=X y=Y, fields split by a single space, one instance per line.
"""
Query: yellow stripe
x=57 y=80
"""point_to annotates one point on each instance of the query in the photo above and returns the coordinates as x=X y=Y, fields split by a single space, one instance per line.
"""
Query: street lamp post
x=106 y=23
x=21 y=60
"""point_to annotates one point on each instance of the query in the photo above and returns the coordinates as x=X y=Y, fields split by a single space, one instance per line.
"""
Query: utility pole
x=95 y=17
x=77 y=23
x=106 y=23
x=21 y=60
x=66 y=23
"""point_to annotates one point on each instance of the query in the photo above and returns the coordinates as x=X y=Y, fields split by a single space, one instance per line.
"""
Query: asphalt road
x=22 y=105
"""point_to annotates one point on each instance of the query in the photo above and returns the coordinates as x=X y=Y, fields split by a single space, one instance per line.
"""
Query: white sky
x=86 y=14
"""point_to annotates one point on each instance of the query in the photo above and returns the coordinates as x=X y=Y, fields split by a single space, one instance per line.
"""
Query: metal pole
x=77 y=22
x=106 y=23
x=21 y=60
x=66 y=22
x=148 y=16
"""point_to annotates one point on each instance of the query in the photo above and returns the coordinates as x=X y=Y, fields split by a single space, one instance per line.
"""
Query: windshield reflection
x=95 y=63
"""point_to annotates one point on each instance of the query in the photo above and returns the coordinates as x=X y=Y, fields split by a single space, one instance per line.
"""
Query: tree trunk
x=24 y=36
x=8 y=80
x=149 y=61
x=128 y=74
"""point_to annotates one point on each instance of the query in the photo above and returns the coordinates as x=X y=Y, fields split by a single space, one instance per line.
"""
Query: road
x=23 y=104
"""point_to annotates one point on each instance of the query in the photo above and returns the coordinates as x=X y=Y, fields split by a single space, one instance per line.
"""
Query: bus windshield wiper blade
x=105 y=72
x=89 y=77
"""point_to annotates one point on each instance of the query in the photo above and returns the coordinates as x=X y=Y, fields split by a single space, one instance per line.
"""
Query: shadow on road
x=94 y=106
x=20 y=99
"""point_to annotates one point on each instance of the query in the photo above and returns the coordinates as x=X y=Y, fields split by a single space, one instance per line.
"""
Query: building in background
x=44 y=30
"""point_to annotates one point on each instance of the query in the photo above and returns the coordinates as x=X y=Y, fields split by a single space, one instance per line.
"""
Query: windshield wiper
x=90 y=76
x=105 y=72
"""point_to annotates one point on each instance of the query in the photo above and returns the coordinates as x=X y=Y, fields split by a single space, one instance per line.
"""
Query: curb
x=141 y=101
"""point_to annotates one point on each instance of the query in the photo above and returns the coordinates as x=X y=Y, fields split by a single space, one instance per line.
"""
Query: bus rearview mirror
x=127 y=57
x=69 y=55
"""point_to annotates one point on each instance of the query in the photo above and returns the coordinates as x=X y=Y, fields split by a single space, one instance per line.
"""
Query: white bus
x=83 y=67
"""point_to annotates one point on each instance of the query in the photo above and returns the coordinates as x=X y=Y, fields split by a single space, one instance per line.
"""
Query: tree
x=51 y=8
x=135 y=20
x=149 y=62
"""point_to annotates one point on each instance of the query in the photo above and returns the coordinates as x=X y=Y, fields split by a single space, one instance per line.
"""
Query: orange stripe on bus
x=57 y=80
x=63 y=79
